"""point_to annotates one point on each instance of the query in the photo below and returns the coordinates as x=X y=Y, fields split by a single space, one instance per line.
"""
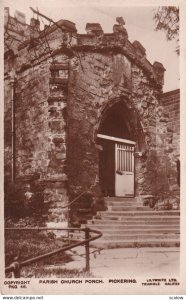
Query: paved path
x=130 y=262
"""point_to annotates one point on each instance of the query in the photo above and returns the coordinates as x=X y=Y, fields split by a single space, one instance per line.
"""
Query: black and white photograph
x=91 y=147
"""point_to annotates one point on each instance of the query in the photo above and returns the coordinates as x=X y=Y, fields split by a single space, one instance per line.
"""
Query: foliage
x=23 y=245
x=28 y=244
x=23 y=199
x=167 y=19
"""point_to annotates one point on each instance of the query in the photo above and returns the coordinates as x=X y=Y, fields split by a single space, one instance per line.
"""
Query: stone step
x=139 y=220
x=139 y=213
x=133 y=219
x=109 y=244
x=128 y=208
x=119 y=200
x=135 y=229
x=127 y=223
x=123 y=203
x=118 y=226
x=136 y=222
x=136 y=237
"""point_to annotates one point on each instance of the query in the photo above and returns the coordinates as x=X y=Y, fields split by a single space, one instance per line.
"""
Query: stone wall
x=41 y=77
x=168 y=142
x=145 y=98
x=171 y=103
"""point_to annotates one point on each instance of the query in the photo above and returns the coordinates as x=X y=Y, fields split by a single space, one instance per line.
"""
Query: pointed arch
x=119 y=121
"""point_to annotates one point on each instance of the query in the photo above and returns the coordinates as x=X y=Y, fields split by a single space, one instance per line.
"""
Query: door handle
x=120 y=172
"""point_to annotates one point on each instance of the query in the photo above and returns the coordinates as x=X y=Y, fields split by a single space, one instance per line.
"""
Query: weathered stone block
x=58 y=140
x=56 y=126
x=61 y=156
x=94 y=28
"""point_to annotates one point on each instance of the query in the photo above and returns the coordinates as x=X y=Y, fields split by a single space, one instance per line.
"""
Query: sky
x=138 y=22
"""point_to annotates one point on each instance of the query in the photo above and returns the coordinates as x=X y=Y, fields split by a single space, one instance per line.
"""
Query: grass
x=23 y=245
x=28 y=244
x=59 y=272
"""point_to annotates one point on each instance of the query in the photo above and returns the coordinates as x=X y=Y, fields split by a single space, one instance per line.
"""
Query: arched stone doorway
x=118 y=136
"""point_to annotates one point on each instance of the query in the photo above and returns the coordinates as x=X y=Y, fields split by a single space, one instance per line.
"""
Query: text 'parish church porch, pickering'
x=87 y=114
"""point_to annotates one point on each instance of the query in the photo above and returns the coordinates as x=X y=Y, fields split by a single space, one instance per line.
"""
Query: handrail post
x=87 y=252
x=16 y=269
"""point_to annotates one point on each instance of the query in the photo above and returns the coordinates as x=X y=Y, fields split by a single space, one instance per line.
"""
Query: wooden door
x=124 y=175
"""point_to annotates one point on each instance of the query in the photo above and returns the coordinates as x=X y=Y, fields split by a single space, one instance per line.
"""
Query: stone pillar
x=56 y=182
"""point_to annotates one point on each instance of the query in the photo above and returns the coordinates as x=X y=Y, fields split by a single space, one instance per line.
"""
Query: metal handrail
x=79 y=196
x=16 y=266
x=74 y=200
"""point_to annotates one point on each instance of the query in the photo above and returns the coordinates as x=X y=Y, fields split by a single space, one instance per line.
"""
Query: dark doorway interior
x=107 y=167
x=115 y=124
